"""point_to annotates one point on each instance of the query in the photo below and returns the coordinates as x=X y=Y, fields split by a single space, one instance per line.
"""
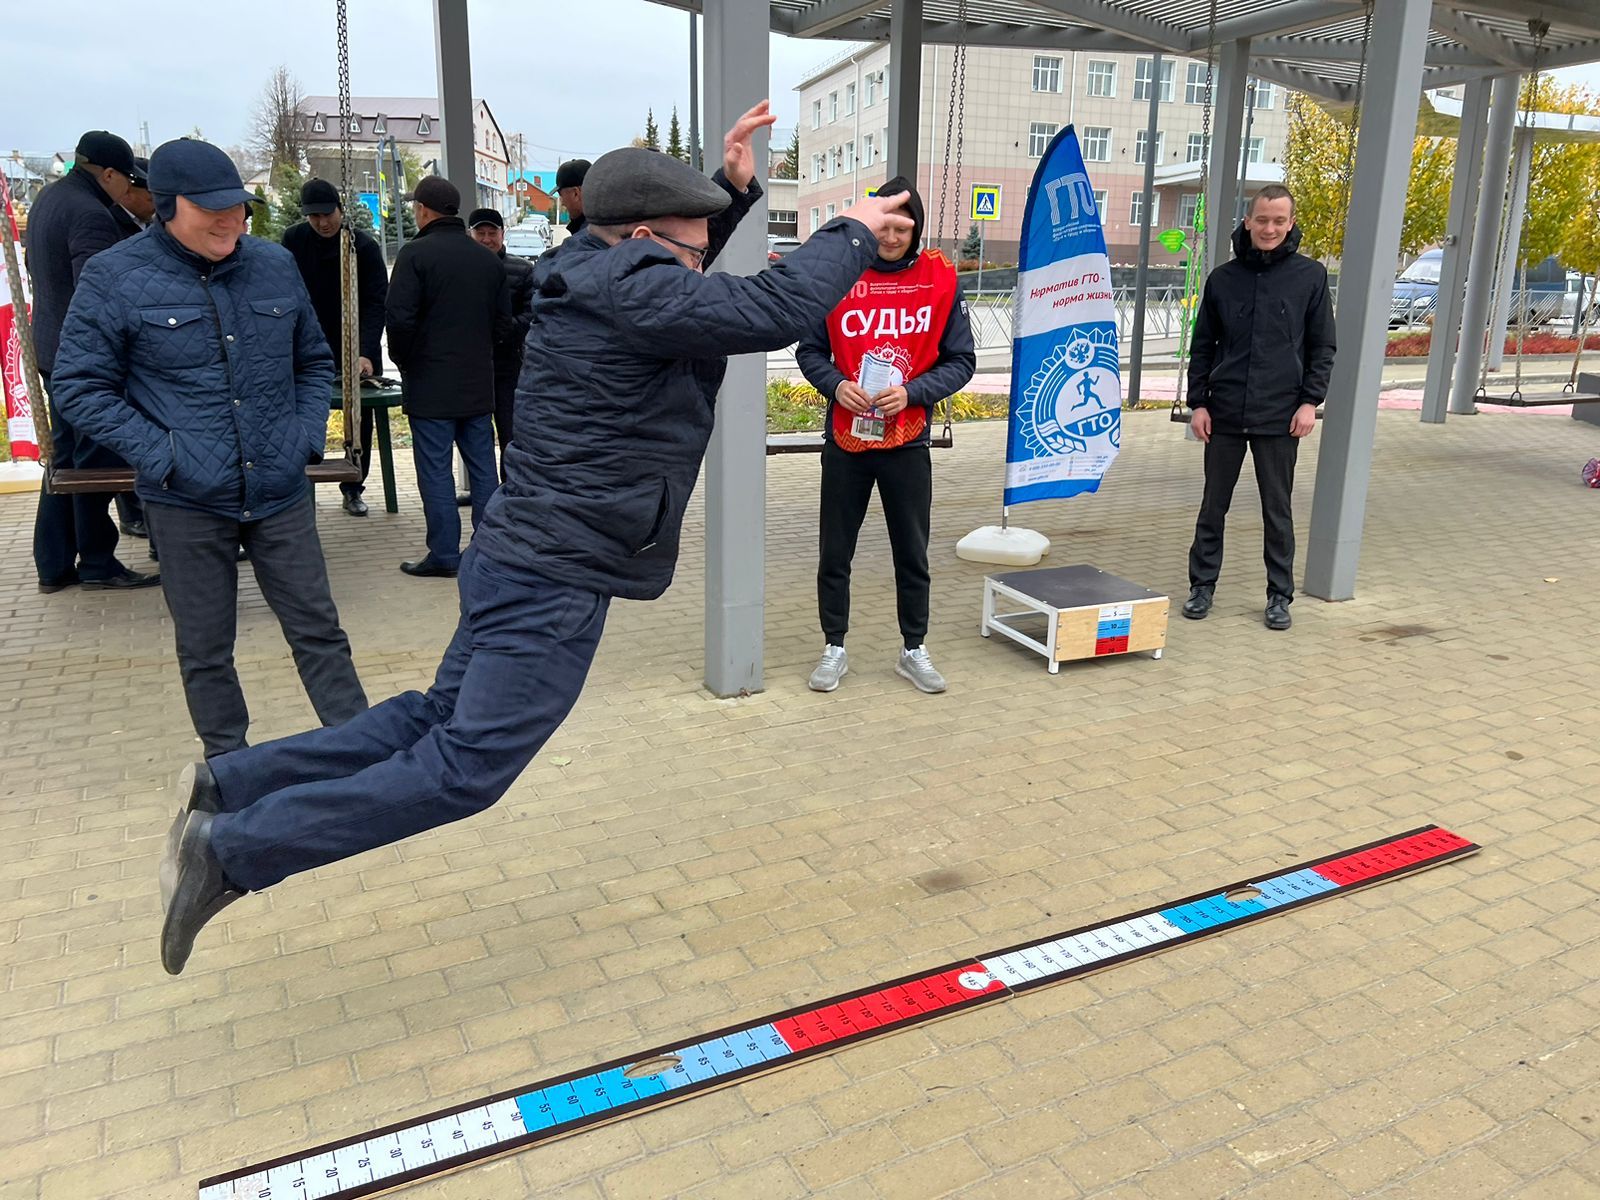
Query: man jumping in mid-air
x=629 y=339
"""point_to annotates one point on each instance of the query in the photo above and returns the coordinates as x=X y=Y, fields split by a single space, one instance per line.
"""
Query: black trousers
x=904 y=478
x=355 y=489
x=75 y=533
x=505 y=395
x=1274 y=456
x=200 y=579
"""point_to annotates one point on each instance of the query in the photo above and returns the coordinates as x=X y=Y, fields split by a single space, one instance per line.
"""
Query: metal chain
x=941 y=228
x=1347 y=192
x=1201 y=226
x=349 y=295
x=1539 y=28
x=961 y=111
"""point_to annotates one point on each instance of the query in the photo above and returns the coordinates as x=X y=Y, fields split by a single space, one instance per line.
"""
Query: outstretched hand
x=738 y=160
x=880 y=213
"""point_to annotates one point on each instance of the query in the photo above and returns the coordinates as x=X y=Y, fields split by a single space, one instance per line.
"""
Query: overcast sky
x=574 y=76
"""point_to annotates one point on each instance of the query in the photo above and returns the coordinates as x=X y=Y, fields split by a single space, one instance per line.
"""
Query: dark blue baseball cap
x=199 y=172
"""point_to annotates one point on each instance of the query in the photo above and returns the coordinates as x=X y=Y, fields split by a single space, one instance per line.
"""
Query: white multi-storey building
x=1014 y=102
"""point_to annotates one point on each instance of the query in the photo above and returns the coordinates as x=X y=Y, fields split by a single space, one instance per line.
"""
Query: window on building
x=1187 y=208
x=833 y=211
x=1199 y=147
x=1102 y=78
x=355 y=124
x=424 y=127
x=382 y=125
x=1257 y=150
x=833 y=106
x=1194 y=87
x=816 y=219
x=849 y=156
x=849 y=99
x=319 y=125
x=1096 y=143
x=1100 y=199
x=1142 y=70
x=1139 y=140
x=816 y=114
x=1039 y=135
x=883 y=82
x=1046 y=73
x=778 y=216
x=816 y=167
x=869 y=150
x=1136 y=209
x=1264 y=93
x=872 y=89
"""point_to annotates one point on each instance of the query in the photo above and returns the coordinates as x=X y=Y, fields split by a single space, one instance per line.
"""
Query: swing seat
x=811 y=442
x=78 y=481
x=1516 y=398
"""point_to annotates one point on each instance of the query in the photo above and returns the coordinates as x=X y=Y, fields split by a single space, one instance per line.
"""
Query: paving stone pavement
x=673 y=863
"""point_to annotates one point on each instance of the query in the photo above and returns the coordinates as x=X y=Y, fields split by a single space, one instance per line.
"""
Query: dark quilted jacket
x=618 y=389
x=71 y=222
x=508 y=349
x=212 y=379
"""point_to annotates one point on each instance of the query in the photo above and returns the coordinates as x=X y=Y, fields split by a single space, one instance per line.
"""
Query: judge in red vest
x=894 y=347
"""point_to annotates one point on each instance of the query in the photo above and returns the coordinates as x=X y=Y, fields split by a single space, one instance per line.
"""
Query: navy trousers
x=431 y=443
x=512 y=673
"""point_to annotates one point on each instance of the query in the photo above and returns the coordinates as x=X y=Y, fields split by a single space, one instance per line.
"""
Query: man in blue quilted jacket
x=613 y=412
x=195 y=353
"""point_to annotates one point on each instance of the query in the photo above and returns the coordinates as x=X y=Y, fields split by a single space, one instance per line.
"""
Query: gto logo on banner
x=1066 y=384
x=19 y=413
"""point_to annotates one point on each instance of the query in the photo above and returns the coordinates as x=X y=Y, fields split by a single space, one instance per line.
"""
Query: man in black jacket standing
x=314 y=243
x=448 y=304
x=74 y=537
x=623 y=366
x=488 y=229
x=1262 y=354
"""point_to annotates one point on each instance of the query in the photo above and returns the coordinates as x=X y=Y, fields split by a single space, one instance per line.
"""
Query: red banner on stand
x=20 y=428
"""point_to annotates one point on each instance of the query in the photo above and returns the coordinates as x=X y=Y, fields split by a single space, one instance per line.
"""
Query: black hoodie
x=957 y=355
x=1264 y=338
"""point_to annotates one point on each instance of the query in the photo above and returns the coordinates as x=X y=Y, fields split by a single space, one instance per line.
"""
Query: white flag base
x=20 y=476
x=1006 y=545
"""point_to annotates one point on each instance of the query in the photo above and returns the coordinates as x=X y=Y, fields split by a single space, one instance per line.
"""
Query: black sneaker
x=1199 y=603
x=1277 y=614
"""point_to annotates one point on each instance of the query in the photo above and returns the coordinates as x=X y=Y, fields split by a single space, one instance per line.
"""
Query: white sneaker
x=835 y=665
x=916 y=666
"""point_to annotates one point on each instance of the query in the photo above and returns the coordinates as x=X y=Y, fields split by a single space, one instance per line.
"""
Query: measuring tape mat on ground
x=446 y=1141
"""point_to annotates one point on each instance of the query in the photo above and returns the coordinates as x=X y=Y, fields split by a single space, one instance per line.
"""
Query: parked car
x=1416 y=291
x=1540 y=292
x=526 y=241
x=779 y=247
x=1590 y=287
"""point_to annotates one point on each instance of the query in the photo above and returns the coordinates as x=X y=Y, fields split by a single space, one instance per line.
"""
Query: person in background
x=133 y=216
x=314 y=243
x=569 y=190
x=448 y=306
x=489 y=229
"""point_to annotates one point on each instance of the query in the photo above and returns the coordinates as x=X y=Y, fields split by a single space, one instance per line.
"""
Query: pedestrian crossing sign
x=985 y=202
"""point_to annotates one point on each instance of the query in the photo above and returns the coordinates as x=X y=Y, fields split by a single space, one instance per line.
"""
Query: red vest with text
x=897 y=317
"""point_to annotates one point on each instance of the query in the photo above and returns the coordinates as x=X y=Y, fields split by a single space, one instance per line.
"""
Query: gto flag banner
x=19 y=413
x=1066 y=384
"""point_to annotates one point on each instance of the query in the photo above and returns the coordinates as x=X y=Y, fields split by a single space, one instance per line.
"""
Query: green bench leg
x=391 y=502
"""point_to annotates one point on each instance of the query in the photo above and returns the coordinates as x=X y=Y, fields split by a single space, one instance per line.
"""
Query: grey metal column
x=1521 y=170
x=905 y=88
x=1485 y=244
x=1142 y=279
x=694 y=92
x=736 y=78
x=1227 y=141
x=1464 y=190
x=1383 y=168
x=453 y=55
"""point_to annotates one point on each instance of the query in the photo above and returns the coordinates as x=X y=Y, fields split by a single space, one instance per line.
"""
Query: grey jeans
x=200 y=579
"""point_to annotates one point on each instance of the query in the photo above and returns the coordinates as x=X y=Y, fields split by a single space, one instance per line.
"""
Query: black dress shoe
x=124 y=580
x=1198 y=604
x=355 y=506
x=426 y=567
x=201 y=890
x=463 y=499
x=134 y=528
x=1277 y=614
x=197 y=792
x=51 y=586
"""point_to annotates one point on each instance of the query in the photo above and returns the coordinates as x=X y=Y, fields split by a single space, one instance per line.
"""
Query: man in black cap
x=448 y=305
x=314 y=243
x=74 y=537
x=615 y=406
x=194 y=352
x=569 y=190
x=489 y=230
x=133 y=216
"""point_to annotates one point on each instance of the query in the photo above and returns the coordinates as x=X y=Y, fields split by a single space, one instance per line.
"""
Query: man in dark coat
x=133 y=217
x=74 y=537
x=489 y=230
x=569 y=190
x=620 y=380
x=448 y=304
x=314 y=243
x=1262 y=354
x=193 y=351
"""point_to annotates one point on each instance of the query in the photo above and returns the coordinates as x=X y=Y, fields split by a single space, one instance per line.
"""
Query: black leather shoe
x=200 y=892
x=197 y=792
x=463 y=499
x=1277 y=615
x=1198 y=604
x=426 y=567
x=125 y=580
x=355 y=506
x=133 y=528
x=51 y=586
